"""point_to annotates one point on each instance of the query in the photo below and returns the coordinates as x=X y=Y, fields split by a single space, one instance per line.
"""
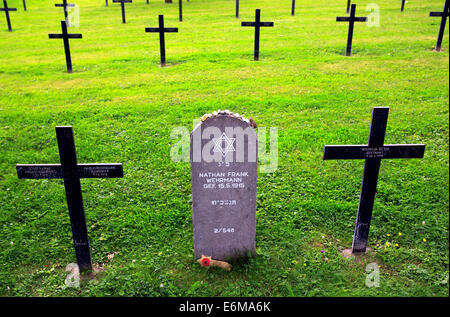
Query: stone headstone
x=224 y=171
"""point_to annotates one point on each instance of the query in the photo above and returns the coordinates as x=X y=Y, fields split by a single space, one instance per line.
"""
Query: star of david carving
x=224 y=144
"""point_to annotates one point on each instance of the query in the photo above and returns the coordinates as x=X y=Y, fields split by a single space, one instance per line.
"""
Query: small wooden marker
x=71 y=172
x=372 y=153
x=257 y=25
x=122 y=4
x=65 y=36
x=352 y=19
x=6 y=9
x=64 y=5
x=161 y=30
x=444 y=16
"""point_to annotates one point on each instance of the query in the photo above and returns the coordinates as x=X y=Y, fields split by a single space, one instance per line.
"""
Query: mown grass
x=123 y=107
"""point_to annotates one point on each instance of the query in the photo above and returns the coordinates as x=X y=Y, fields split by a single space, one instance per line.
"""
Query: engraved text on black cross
x=6 y=9
x=444 y=16
x=65 y=36
x=71 y=172
x=372 y=153
x=257 y=25
x=352 y=19
x=161 y=30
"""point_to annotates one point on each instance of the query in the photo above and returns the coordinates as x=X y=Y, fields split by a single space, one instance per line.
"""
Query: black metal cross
x=348 y=5
x=257 y=25
x=293 y=8
x=71 y=172
x=403 y=5
x=372 y=153
x=161 y=30
x=237 y=9
x=444 y=16
x=6 y=9
x=65 y=36
x=180 y=9
x=352 y=19
x=122 y=4
x=24 y=5
x=64 y=5
x=106 y=2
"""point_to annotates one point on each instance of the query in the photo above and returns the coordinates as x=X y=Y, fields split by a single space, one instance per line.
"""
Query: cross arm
x=266 y=23
x=50 y=171
x=347 y=19
x=125 y=1
x=8 y=9
x=151 y=29
x=170 y=29
x=62 y=5
x=60 y=36
x=248 y=23
x=388 y=151
x=105 y=170
x=436 y=14
x=39 y=171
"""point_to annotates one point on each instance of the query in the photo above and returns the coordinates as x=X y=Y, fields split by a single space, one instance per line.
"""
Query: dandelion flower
x=400 y=234
x=424 y=240
x=388 y=235
x=397 y=245
x=388 y=244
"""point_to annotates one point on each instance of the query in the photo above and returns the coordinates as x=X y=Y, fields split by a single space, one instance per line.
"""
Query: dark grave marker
x=64 y=5
x=180 y=10
x=106 y=2
x=237 y=9
x=257 y=25
x=352 y=19
x=122 y=4
x=444 y=16
x=348 y=5
x=224 y=171
x=65 y=36
x=161 y=30
x=71 y=172
x=372 y=153
x=6 y=10
x=24 y=5
x=293 y=8
x=403 y=6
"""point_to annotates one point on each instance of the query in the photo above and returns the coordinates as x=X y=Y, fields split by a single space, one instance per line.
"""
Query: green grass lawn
x=123 y=106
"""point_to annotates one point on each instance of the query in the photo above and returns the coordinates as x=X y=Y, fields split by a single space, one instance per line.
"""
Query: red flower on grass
x=205 y=262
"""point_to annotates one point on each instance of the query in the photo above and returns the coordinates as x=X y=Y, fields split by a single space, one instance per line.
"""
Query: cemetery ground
x=123 y=106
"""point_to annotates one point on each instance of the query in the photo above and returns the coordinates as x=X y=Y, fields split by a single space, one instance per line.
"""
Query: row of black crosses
x=72 y=172
x=257 y=24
